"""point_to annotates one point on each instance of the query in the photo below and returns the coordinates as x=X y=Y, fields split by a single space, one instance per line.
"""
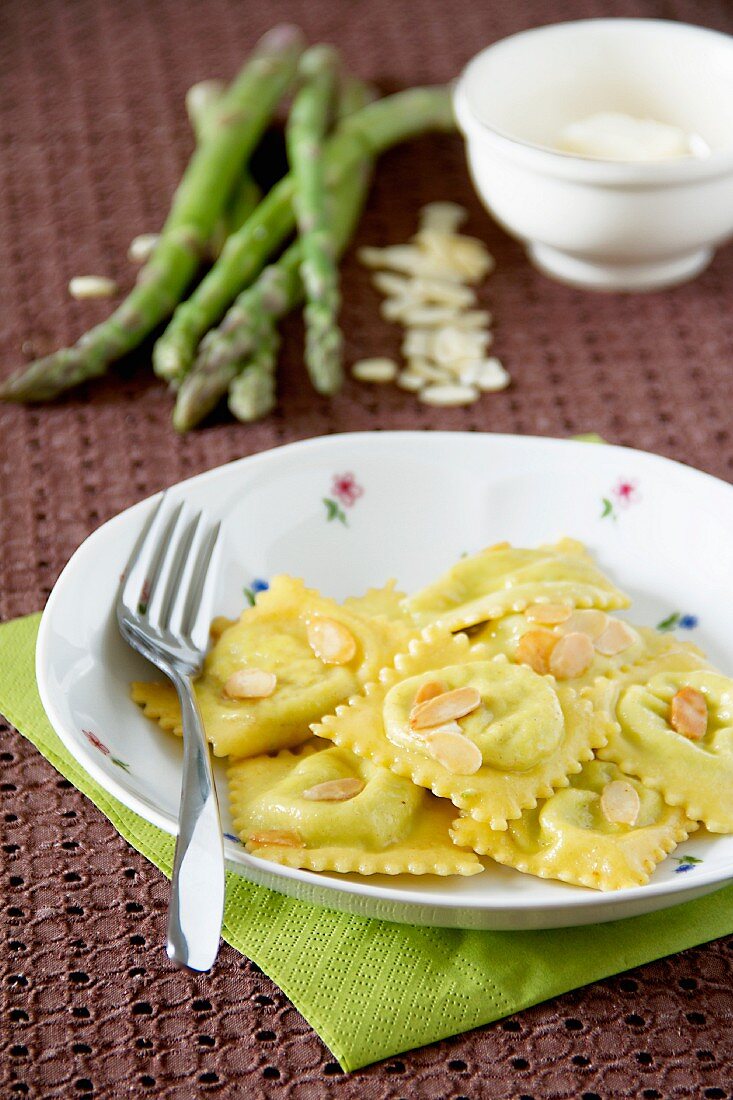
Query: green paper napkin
x=372 y=989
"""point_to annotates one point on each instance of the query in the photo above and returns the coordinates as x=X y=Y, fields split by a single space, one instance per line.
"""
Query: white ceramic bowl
x=409 y=503
x=604 y=224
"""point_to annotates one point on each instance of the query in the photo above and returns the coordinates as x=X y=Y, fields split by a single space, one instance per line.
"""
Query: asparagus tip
x=282 y=37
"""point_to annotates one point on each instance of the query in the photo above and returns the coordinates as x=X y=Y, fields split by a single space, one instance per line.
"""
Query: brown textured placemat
x=93 y=137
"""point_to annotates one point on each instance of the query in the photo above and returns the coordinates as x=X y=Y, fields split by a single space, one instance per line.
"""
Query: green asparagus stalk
x=252 y=393
x=225 y=352
x=203 y=102
x=370 y=131
x=207 y=184
x=305 y=136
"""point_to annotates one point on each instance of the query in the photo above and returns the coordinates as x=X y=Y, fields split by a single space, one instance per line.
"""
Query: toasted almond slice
x=446 y=217
x=331 y=641
x=374 y=370
x=586 y=621
x=689 y=713
x=92 y=286
x=250 y=683
x=281 y=838
x=335 y=790
x=448 y=396
x=572 y=656
x=549 y=613
x=429 y=690
x=408 y=380
x=396 y=286
x=452 y=344
x=456 y=752
x=620 y=803
x=399 y=257
x=534 y=649
x=492 y=375
x=444 y=708
x=617 y=637
x=141 y=248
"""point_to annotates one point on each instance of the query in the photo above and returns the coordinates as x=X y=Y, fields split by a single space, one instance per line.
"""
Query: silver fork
x=164 y=609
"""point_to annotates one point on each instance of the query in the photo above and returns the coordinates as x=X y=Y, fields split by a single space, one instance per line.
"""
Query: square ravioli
x=491 y=736
x=675 y=731
x=503 y=578
x=324 y=809
x=288 y=660
x=606 y=830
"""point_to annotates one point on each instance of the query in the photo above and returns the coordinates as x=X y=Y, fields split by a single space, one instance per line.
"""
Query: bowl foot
x=609 y=276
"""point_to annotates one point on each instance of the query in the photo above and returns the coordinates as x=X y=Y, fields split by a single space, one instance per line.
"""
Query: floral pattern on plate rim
x=253 y=588
x=676 y=619
x=685 y=863
x=624 y=493
x=345 y=491
x=100 y=746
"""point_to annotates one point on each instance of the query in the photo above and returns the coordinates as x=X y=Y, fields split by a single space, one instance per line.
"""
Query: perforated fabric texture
x=94 y=137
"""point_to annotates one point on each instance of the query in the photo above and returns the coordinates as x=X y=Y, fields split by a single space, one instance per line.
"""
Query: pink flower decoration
x=626 y=492
x=346 y=489
x=94 y=740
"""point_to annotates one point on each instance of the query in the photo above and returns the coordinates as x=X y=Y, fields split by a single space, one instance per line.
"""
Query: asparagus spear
x=226 y=351
x=207 y=183
x=369 y=131
x=252 y=393
x=203 y=104
x=304 y=137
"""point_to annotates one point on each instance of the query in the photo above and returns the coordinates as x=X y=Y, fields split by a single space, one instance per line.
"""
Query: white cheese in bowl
x=612 y=135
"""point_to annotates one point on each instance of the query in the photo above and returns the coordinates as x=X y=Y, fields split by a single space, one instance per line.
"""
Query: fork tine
x=179 y=597
x=197 y=614
x=157 y=569
x=132 y=581
x=165 y=561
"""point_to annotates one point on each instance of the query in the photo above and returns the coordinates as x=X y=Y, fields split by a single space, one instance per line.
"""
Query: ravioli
x=528 y=733
x=568 y=836
x=696 y=775
x=388 y=826
x=272 y=636
x=502 y=579
x=385 y=602
x=504 y=636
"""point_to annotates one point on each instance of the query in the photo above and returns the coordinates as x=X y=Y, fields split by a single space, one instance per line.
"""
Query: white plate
x=349 y=511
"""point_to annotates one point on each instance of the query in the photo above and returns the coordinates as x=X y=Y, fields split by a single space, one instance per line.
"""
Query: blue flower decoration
x=231 y=836
x=689 y=622
x=257 y=585
x=685 y=863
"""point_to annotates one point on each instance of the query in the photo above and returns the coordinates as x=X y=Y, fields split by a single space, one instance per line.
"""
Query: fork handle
x=198 y=884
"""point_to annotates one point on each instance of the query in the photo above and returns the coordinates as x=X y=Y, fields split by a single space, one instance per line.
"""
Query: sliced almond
x=588 y=621
x=572 y=656
x=620 y=803
x=617 y=637
x=335 y=790
x=689 y=713
x=534 y=649
x=281 y=838
x=250 y=683
x=456 y=752
x=331 y=641
x=549 y=613
x=429 y=690
x=444 y=708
